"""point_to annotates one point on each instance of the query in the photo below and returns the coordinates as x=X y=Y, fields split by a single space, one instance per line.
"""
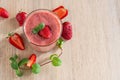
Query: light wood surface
x=92 y=54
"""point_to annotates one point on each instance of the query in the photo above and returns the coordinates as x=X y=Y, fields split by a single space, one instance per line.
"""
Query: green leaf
x=52 y=56
x=14 y=65
x=23 y=61
x=60 y=42
x=56 y=61
x=15 y=57
x=38 y=28
x=19 y=73
x=36 y=68
x=12 y=59
x=10 y=34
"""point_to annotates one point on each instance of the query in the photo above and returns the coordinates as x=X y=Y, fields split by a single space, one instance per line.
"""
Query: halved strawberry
x=61 y=12
x=16 y=40
x=4 y=13
x=45 y=32
x=32 y=60
x=58 y=8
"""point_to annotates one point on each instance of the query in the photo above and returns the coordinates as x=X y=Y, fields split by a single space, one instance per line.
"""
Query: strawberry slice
x=58 y=8
x=4 y=13
x=61 y=12
x=16 y=40
x=45 y=32
x=32 y=60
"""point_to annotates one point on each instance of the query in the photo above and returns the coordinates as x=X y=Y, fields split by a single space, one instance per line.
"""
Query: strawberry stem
x=10 y=34
x=20 y=10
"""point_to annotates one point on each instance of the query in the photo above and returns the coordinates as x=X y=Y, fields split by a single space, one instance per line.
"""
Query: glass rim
x=55 y=40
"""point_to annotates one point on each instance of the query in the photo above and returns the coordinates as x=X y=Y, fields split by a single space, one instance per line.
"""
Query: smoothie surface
x=46 y=17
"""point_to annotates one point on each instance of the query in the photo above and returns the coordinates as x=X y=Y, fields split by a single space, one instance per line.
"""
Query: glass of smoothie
x=50 y=19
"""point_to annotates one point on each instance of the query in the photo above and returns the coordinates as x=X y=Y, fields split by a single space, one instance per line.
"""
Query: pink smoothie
x=47 y=17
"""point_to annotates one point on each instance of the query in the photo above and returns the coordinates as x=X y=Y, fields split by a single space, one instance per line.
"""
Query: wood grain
x=92 y=54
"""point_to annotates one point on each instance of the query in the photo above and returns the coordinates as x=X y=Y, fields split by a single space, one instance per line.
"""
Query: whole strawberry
x=20 y=17
x=67 y=30
x=4 y=13
x=16 y=40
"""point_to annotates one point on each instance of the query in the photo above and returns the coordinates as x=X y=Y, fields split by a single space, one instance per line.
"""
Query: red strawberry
x=21 y=16
x=67 y=30
x=58 y=8
x=61 y=12
x=16 y=40
x=4 y=13
x=45 y=32
x=32 y=60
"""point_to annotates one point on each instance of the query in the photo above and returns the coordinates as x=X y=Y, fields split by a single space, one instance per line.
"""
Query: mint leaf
x=56 y=61
x=38 y=28
x=60 y=42
x=12 y=59
x=14 y=65
x=19 y=73
x=52 y=56
x=23 y=61
x=36 y=68
x=15 y=57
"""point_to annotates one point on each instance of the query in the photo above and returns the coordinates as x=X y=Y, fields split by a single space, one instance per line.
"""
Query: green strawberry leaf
x=56 y=61
x=19 y=73
x=36 y=68
x=38 y=28
x=60 y=42
x=14 y=65
x=23 y=61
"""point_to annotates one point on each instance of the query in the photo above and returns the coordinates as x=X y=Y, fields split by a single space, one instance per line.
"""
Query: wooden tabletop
x=92 y=54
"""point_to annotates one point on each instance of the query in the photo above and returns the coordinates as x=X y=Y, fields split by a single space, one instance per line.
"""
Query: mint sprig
x=38 y=28
x=16 y=65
